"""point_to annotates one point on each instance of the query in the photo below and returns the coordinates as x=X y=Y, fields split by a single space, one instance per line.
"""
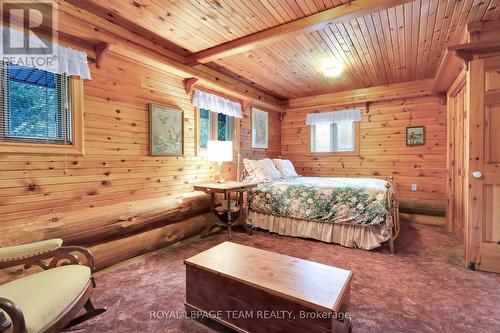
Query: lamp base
x=218 y=178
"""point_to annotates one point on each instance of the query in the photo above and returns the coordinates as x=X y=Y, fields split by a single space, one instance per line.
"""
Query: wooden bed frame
x=392 y=199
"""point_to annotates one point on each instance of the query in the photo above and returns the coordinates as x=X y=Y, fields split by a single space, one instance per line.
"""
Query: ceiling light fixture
x=333 y=70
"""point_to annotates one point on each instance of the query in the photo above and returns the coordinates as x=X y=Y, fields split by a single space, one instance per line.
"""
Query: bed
x=353 y=212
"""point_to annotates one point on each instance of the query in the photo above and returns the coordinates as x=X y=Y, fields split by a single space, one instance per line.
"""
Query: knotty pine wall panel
x=383 y=150
x=116 y=166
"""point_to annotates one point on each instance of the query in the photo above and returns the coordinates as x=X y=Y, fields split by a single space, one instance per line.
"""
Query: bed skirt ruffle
x=348 y=235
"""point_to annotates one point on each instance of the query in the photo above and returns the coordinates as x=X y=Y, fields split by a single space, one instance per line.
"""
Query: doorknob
x=477 y=174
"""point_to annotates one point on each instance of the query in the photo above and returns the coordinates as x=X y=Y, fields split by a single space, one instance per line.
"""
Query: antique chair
x=50 y=300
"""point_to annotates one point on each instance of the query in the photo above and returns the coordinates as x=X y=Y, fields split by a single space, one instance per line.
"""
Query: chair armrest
x=17 y=252
x=52 y=256
x=68 y=250
x=15 y=314
x=66 y=255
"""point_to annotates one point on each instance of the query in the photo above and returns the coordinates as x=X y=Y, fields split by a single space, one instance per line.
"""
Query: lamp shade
x=220 y=151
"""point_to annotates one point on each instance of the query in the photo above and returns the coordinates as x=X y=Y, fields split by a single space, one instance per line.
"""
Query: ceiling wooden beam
x=393 y=91
x=449 y=69
x=310 y=23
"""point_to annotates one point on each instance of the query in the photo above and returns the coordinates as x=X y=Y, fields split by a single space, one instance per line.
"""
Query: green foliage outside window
x=222 y=127
x=204 y=127
x=32 y=111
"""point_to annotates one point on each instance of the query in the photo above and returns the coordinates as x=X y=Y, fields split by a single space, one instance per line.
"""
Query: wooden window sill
x=336 y=154
x=39 y=148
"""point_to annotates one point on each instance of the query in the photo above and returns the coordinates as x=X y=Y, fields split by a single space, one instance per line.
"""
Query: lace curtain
x=218 y=104
x=67 y=61
x=325 y=118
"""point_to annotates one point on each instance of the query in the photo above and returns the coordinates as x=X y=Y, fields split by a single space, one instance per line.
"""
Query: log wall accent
x=94 y=225
x=383 y=150
x=117 y=250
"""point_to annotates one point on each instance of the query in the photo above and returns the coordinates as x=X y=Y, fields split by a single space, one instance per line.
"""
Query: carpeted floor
x=423 y=288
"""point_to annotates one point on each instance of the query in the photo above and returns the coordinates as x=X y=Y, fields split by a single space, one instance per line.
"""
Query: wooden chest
x=252 y=290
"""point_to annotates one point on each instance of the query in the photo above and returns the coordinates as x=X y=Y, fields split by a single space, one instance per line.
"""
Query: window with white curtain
x=216 y=117
x=34 y=105
x=337 y=137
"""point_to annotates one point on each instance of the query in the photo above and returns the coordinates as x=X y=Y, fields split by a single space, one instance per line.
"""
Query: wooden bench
x=252 y=290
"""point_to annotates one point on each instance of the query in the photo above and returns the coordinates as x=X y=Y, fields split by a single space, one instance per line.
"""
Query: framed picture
x=260 y=129
x=166 y=131
x=415 y=136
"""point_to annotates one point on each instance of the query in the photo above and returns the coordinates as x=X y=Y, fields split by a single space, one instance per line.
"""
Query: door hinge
x=472 y=265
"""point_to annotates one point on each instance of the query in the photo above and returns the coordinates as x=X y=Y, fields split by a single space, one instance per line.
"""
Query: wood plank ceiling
x=398 y=44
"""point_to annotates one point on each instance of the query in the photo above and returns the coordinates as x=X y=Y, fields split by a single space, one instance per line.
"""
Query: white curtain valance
x=218 y=104
x=62 y=60
x=333 y=117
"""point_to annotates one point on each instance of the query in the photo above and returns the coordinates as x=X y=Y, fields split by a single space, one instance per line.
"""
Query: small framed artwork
x=166 y=130
x=260 y=129
x=415 y=136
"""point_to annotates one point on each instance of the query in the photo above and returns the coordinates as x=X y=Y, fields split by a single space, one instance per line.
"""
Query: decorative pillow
x=290 y=169
x=265 y=170
x=249 y=166
x=280 y=166
x=285 y=167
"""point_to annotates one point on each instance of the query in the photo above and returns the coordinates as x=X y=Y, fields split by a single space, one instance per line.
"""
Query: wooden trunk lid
x=314 y=285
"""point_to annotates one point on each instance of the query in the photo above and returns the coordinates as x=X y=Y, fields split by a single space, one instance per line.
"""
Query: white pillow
x=280 y=166
x=265 y=170
x=290 y=169
x=285 y=167
x=249 y=166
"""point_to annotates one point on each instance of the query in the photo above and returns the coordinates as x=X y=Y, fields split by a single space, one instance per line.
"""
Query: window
x=214 y=126
x=224 y=127
x=204 y=128
x=35 y=105
x=338 y=137
x=37 y=111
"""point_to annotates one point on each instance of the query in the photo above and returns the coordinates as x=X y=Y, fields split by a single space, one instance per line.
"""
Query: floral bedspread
x=337 y=200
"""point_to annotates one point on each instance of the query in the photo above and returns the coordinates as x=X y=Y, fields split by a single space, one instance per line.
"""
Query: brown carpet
x=423 y=288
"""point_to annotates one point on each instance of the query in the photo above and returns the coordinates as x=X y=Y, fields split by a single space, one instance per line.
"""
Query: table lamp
x=220 y=151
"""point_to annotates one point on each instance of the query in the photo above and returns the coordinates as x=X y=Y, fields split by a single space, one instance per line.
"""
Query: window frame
x=355 y=152
x=213 y=121
x=39 y=147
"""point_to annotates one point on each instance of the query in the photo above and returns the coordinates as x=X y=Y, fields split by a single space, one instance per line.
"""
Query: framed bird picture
x=415 y=136
x=260 y=129
x=166 y=131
